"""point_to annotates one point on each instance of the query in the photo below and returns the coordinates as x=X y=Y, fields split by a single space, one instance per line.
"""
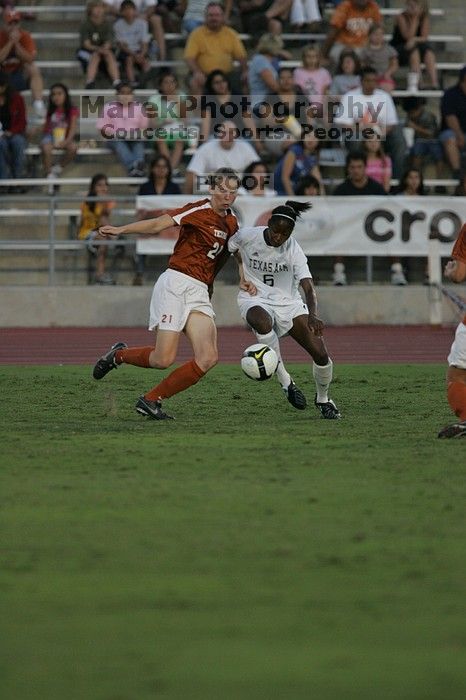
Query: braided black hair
x=290 y=210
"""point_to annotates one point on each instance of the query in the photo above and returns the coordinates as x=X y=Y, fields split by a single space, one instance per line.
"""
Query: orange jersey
x=354 y=23
x=12 y=62
x=459 y=249
x=203 y=236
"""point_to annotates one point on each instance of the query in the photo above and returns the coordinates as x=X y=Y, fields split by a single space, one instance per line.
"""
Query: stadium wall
x=36 y=307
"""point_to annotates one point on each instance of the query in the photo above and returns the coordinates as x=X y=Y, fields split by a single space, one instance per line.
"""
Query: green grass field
x=243 y=551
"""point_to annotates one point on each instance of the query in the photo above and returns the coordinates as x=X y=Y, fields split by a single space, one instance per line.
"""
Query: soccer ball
x=259 y=362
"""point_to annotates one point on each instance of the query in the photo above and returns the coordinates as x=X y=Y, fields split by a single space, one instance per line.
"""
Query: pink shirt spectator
x=118 y=116
x=312 y=82
x=379 y=169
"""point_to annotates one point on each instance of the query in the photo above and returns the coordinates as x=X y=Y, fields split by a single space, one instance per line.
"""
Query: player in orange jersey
x=455 y=270
x=181 y=296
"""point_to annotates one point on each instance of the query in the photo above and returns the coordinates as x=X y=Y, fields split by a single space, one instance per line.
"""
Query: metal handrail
x=51 y=244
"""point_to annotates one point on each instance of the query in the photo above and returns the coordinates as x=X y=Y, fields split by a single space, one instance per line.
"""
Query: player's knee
x=262 y=327
x=259 y=321
x=159 y=360
x=208 y=360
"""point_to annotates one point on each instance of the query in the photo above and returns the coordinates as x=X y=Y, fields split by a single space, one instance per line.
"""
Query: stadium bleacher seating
x=55 y=32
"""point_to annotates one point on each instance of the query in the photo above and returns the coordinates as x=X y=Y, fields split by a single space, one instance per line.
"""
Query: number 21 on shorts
x=166 y=318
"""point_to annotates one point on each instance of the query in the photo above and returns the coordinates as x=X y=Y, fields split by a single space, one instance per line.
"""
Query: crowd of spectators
x=354 y=63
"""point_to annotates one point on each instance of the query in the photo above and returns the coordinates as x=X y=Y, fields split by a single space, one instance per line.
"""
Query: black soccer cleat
x=151 y=409
x=457 y=430
x=107 y=361
x=295 y=396
x=328 y=409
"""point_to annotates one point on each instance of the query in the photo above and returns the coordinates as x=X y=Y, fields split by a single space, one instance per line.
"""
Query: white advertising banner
x=399 y=226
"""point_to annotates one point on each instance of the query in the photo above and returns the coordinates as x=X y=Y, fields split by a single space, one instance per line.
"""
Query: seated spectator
x=132 y=38
x=453 y=127
x=195 y=13
x=170 y=12
x=305 y=14
x=146 y=10
x=122 y=127
x=286 y=113
x=159 y=182
x=308 y=186
x=356 y=183
x=312 y=78
x=218 y=90
x=160 y=178
x=349 y=27
x=263 y=73
x=228 y=150
x=60 y=130
x=93 y=215
x=12 y=132
x=255 y=181
x=410 y=34
x=214 y=46
x=346 y=76
x=425 y=127
x=411 y=185
x=96 y=37
x=170 y=107
x=378 y=165
x=460 y=189
x=383 y=58
x=17 y=54
x=259 y=16
x=357 y=106
x=300 y=159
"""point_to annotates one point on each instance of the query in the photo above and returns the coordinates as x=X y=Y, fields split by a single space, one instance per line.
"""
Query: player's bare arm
x=244 y=284
x=148 y=227
x=455 y=270
x=316 y=325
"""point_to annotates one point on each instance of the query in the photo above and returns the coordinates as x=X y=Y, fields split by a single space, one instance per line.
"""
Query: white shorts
x=174 y=297
x=457 y=356
x=282 y=316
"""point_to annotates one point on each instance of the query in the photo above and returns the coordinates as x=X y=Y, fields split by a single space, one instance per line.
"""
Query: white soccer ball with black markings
x=259 y=362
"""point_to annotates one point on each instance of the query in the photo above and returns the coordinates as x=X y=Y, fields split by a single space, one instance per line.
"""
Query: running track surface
x=352 y=344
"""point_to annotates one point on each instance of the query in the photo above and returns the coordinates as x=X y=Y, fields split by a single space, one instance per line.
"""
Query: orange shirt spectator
x=349 y=26
x=17 y=54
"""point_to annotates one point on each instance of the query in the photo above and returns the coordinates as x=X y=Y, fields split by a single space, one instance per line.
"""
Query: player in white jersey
x=272 y=268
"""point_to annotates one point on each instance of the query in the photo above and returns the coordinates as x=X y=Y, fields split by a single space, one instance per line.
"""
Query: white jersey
x=276 y=272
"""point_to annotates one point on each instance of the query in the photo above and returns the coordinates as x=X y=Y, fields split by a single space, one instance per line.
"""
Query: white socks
x=271 y=339
x=322 y=377
x=322 y=373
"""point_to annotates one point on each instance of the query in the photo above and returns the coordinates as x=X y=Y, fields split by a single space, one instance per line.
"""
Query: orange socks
x=180 y=379
x=456 y=394
x=134 y=356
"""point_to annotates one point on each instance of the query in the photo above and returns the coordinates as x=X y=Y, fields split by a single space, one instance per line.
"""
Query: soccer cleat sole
x=457 y=430
x=296 y=397
x=105 y=364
